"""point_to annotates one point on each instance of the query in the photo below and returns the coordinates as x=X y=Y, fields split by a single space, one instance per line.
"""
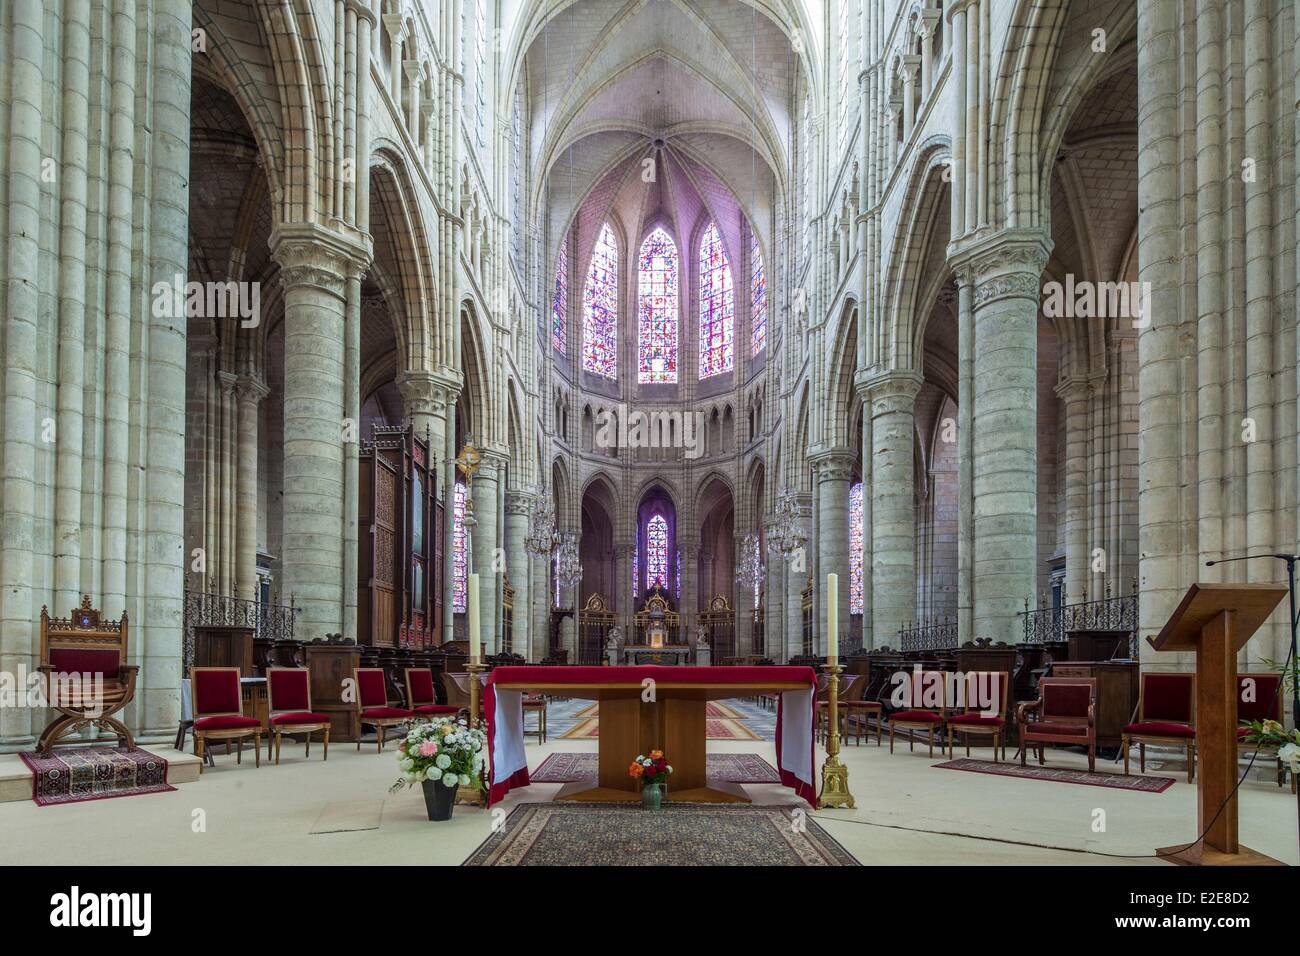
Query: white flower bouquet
x=443 y=750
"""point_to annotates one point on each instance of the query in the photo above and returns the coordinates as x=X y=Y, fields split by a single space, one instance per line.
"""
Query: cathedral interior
x=681 y=332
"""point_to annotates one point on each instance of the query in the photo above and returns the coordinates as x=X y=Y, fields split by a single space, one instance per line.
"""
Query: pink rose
x=428 y=748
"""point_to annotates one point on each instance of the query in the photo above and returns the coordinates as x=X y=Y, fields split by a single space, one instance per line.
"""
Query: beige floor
x=241 y=815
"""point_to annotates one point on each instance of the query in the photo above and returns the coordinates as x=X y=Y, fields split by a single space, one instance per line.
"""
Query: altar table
x=673 y=721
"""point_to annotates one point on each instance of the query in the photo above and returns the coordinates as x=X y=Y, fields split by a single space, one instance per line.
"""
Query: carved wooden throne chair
x=86 y=676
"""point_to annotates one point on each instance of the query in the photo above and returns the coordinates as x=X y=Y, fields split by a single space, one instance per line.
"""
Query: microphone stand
x=1290 y=560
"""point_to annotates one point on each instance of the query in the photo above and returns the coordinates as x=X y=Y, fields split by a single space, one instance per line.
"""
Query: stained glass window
x=657 y=309
x=717 y=306
x=600 y=308
x=855 y=548
x=635 y=567
x=757 y=298
x=560 y=301
x=656 y=551
x=460 y=564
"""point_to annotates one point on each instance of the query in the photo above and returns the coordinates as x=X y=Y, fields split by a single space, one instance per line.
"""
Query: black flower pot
x=438 y=799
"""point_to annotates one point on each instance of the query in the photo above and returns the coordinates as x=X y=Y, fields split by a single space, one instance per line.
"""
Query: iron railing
x=932 y=634
x=208 y=609
x=1104 y=614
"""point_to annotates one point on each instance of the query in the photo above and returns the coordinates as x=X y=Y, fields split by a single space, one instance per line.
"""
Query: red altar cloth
x=505 y=687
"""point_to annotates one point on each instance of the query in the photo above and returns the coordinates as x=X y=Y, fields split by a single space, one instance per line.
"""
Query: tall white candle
x=833 y=619
x=472 y=609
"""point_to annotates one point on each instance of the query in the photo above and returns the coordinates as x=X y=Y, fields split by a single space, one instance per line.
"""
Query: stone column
x=1007 y=273
x=251 y=391
x=798 y=568
x=1074 y=393
x=313 y=267
x=909 y=66
x=518 y=566
x=893 y=512
x=965 y=455
x=229 y=446
x=833 y=470
x=485 y=544
x=869 y=637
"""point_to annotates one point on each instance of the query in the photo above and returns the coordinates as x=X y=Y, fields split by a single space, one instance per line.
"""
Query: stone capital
x=227 y=381
x=1073 y=388
x=252 y=390
x=1008 y=263
x=414 y=69
x=833 y=464
x=519 y=502
x=959 y=6
x=310 y=254
x=396 y=26
x=892 y=391
x=424 y=393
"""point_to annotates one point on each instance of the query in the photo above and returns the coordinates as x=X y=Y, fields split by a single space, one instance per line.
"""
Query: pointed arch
x=600 y=297
x=658 y=282
x=717 y=305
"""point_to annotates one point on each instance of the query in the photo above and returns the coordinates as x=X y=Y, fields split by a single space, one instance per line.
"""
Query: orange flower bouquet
x=652 y=773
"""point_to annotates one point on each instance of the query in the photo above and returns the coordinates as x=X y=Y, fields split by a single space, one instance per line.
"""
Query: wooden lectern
x=1216 y=620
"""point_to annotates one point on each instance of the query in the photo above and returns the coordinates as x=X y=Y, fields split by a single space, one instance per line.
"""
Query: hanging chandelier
x=567 y=566
x=542 y=536
x=752 y=570
x=786 y=535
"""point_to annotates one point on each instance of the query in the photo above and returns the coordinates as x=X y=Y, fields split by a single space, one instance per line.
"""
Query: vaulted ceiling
x=710 y=81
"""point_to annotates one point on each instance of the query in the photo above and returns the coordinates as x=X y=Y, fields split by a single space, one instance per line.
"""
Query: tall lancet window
x=656 y=552
x=757 y=298
x=717 y=306
x=600 y=308
x=855 y=548
x=459 y=557
x=560 y=300
x=657 y=309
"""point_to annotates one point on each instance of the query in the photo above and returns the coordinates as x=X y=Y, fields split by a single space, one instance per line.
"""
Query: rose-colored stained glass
x=600 y=308
x=757 y=298
x=717 y=306
x=657 y=271
x=656 y=552
x=560 y=301
x=855 y=549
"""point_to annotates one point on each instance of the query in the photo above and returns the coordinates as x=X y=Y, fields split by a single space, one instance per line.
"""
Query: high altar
x=658 y=634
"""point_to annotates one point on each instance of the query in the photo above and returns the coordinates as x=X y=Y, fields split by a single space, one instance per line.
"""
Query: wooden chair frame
x=276 y=731
x=537 y=705
x=996 y=731
x=1189 y=743
x=83 y=629
x=381 y=724
x=1090 y=722
x=236 y=734
x=410 y=694
x=928 y=726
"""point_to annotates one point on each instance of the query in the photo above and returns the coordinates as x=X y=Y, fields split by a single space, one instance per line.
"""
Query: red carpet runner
x=72 y=774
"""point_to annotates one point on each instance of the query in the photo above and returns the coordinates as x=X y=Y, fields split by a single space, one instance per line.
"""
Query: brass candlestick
x=835 y=776
x=472 y=796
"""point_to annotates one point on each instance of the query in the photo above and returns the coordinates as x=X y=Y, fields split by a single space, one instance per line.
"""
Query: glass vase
x=652 y=796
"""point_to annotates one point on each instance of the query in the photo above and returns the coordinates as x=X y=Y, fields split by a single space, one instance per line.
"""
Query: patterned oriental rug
x=680 y=834
x=1113 y=781
x=73 y=774
x=733 y=768
x=721 y=722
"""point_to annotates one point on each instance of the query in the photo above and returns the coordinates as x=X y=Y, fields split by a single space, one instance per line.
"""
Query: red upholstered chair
x=372 y=704
x=1065 y=712
x=421 y=696
x=219 y=712
x=288 y=706
x=973 y=719
x=85 y=674
x=918 y=718
x=1265 y=703
x=1166 y=715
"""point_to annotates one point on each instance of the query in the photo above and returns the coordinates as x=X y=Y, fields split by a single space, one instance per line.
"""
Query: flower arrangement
x=443 y=750
x=652 y=769
x=1269 y=733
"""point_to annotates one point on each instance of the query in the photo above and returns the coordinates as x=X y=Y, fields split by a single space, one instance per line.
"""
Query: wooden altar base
x=673 y=723
x=716 y=791
x=1198 y=854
